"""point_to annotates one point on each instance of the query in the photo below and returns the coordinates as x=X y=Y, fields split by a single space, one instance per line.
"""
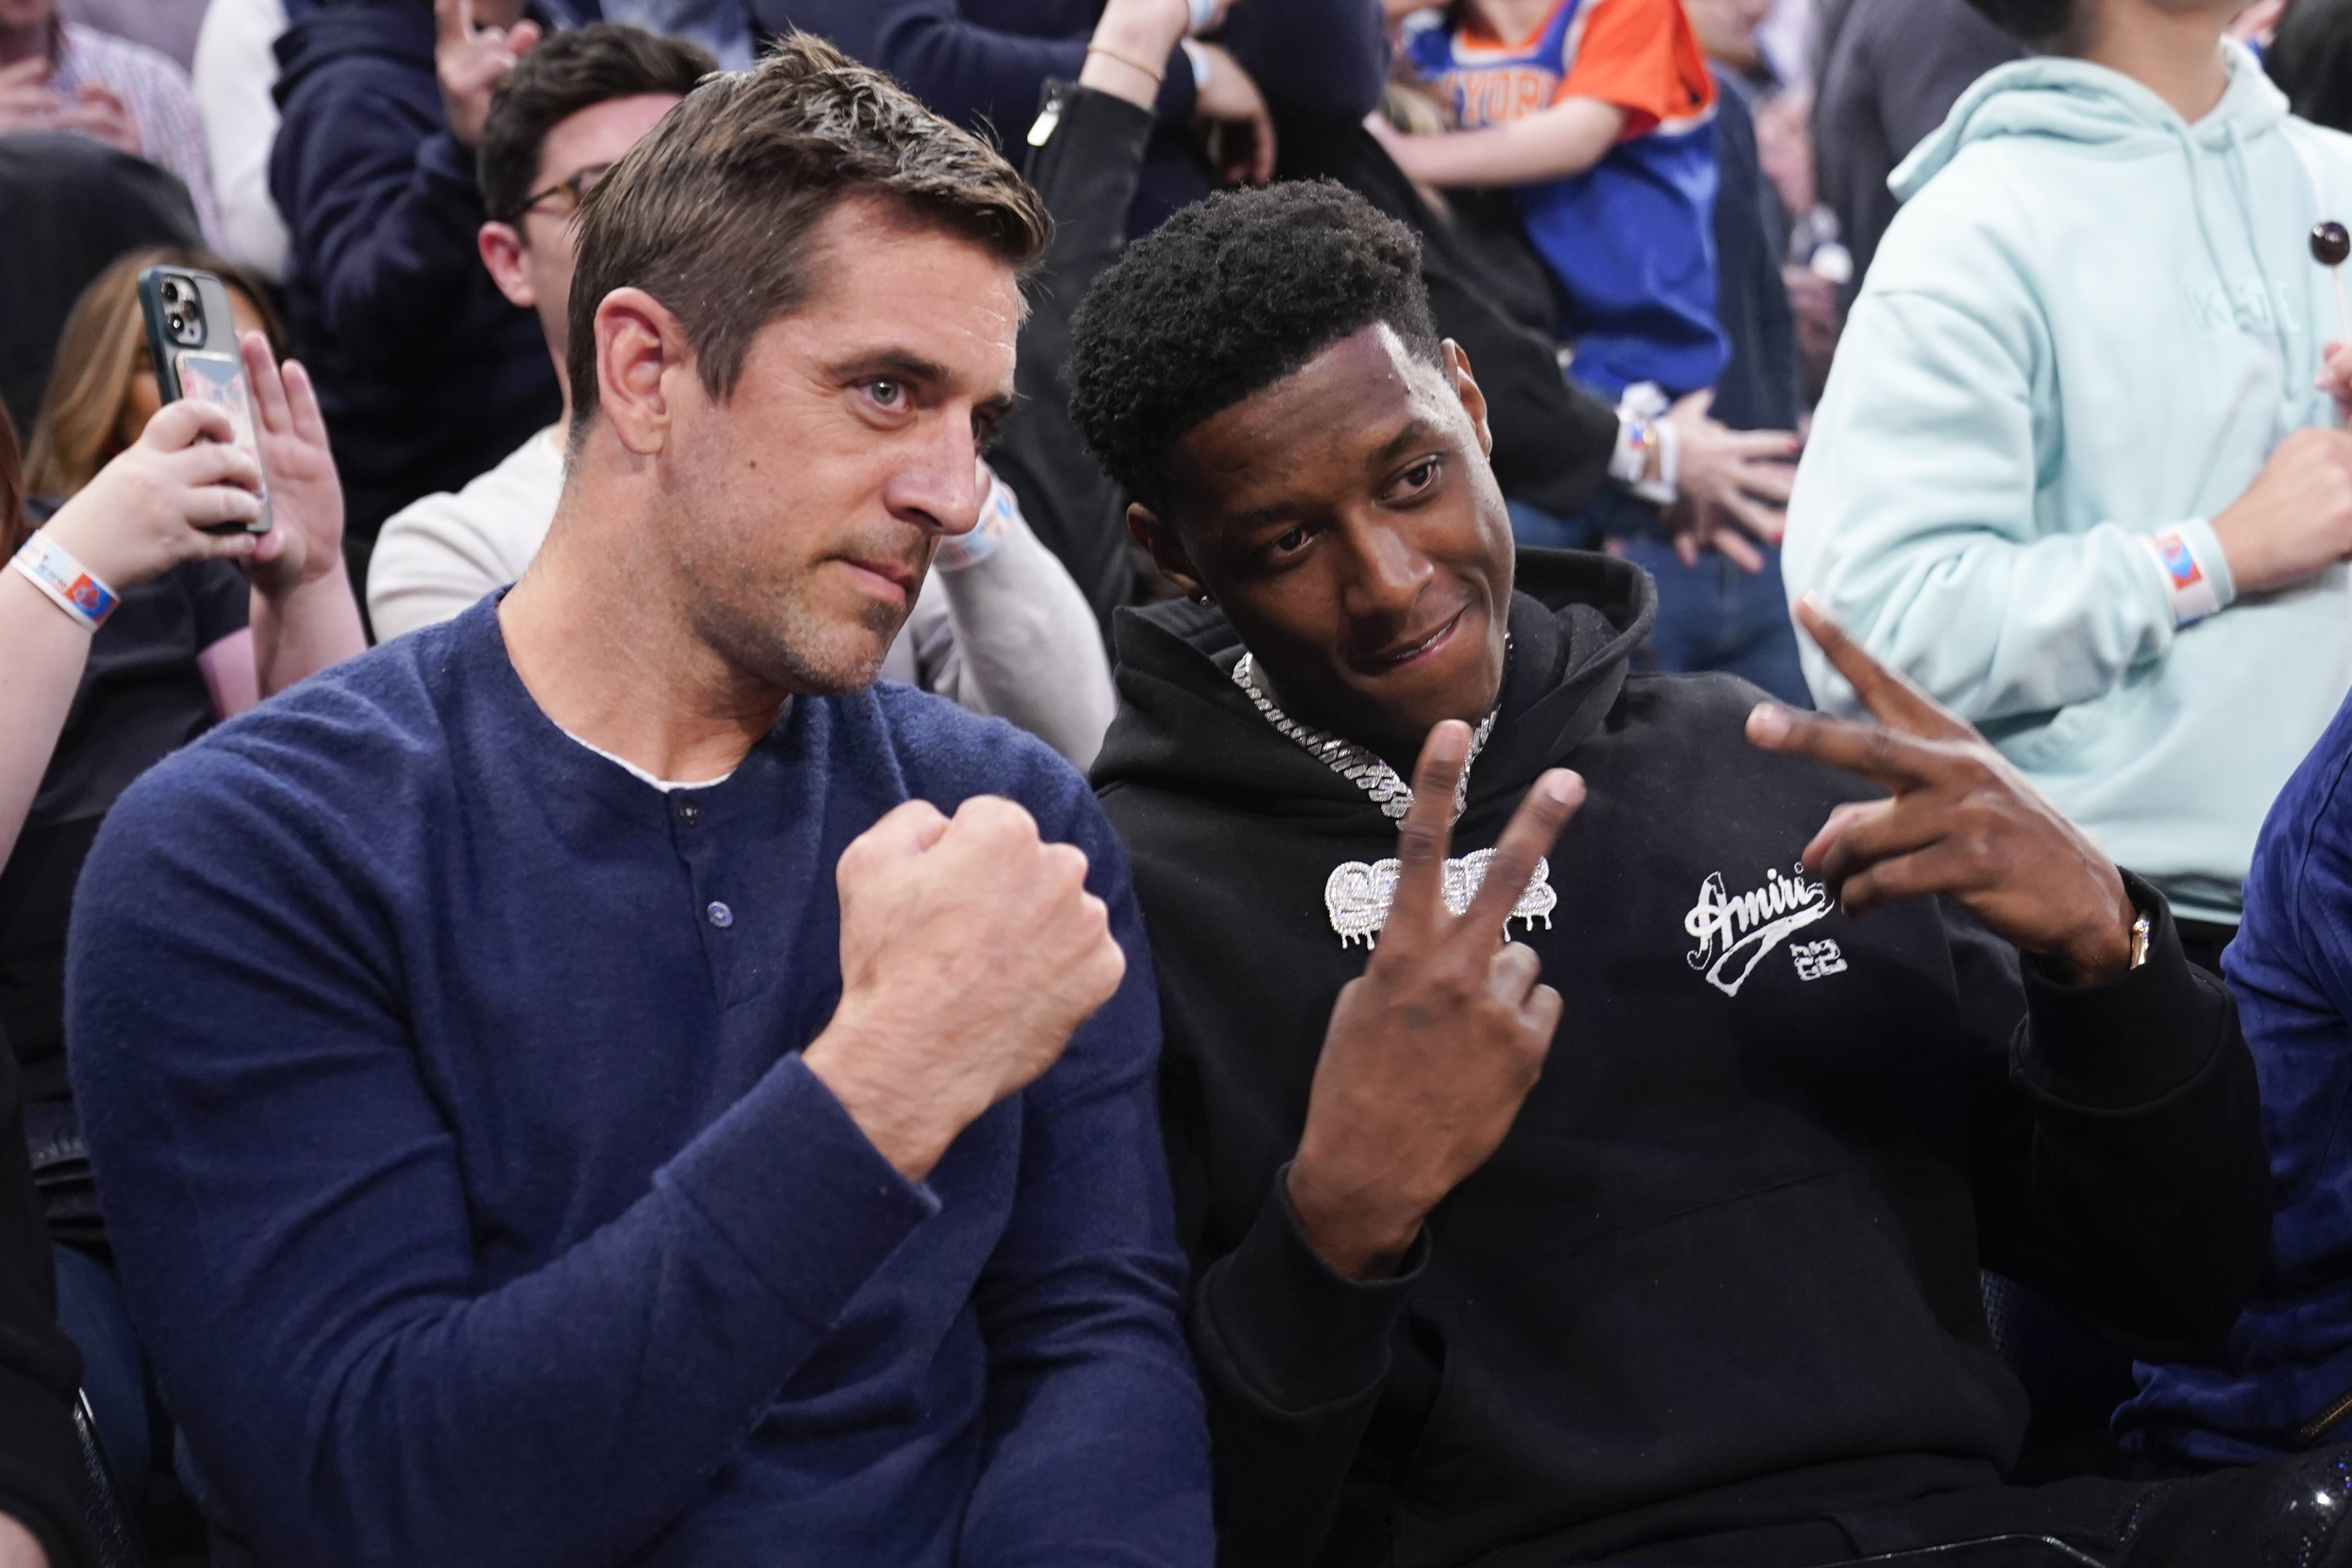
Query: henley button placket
x=689 y=813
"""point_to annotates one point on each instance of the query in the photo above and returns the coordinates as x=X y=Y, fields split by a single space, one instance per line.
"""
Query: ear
x=502 y=245
x=641 y=351
x=1465 y=387
x=1167 y=551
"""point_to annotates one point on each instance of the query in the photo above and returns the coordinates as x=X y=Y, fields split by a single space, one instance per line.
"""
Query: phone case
x=192 y=341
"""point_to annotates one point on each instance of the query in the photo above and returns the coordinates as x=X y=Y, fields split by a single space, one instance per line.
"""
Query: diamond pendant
x=1358 y=894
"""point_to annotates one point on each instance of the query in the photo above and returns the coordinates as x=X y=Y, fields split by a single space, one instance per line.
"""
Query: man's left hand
x=1962 y=821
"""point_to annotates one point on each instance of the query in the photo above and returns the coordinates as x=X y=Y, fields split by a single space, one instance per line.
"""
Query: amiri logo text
x=1734 y=934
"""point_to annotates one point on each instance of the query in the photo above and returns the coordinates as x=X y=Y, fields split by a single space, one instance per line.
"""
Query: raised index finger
x=1899 y=761
x=1427 y=831
x=453 y=21
x=1891 y=698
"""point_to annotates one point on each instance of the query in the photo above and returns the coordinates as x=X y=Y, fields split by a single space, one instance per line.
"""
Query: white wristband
x=2194 y=584
x=45 y=563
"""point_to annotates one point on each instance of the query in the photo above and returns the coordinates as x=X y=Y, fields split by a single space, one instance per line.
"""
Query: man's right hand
x=2296 y=518
x=471 y=62
x=1431 y=1050
x=970 y=951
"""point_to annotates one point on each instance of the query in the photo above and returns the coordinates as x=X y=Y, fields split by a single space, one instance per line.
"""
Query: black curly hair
x=1223 y=299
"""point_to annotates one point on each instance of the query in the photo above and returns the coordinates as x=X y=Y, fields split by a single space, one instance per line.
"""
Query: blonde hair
x=102 y=346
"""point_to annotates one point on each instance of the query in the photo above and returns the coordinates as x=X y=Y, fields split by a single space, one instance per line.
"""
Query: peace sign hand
x=1961 y=820
x=1430 y=1051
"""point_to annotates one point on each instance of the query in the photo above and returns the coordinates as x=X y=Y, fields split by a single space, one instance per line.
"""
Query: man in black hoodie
x=1692 y=1280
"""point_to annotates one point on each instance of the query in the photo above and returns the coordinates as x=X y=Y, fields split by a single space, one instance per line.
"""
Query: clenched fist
x=970 y=951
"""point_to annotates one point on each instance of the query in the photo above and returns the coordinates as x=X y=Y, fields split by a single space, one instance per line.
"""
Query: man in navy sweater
x=567 y=1092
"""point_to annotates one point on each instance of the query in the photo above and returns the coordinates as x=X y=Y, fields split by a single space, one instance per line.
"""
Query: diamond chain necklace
x=1359 y=764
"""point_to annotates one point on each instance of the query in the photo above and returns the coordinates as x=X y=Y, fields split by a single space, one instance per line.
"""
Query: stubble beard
x=790 y=644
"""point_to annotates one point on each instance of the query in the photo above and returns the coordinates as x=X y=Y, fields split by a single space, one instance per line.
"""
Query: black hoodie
x=1722 y=1272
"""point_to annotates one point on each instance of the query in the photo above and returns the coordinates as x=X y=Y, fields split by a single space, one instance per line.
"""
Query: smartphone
x=192 y=341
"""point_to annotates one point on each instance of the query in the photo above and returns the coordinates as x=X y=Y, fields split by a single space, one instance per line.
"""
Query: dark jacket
x=1759 y=387
x=981 y=63
x=1722 y=1272
x=427 y=375
x=1893 y=71
x=1085 y=171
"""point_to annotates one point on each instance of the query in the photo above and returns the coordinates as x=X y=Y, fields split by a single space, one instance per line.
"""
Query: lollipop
x=2329 y=246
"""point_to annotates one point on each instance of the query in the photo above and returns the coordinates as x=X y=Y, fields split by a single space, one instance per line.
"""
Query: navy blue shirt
x=475 y=1204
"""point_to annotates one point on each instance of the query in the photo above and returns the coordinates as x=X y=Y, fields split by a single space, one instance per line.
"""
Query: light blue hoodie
x=2091 y=322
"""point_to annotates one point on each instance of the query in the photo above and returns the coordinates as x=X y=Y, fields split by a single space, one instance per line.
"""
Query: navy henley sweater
x=475 y=1205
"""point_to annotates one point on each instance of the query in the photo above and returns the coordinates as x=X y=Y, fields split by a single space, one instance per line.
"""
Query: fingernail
x=1767 y=722
x=1560 y=786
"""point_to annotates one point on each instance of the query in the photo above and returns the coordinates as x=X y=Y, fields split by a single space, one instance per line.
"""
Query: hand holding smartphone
x=192 y=341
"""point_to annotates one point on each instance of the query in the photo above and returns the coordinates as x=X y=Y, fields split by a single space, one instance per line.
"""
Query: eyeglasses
x=576 y=187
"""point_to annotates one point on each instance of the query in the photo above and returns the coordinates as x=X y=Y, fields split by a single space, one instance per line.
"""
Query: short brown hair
x=571 y=69
x=712 y=211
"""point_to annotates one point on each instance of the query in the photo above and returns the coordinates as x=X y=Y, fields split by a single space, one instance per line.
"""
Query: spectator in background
x=1893 y=71
x=984 y=62
x=234 y=74
x=57 y=75
x=2073 y=472
x=429 y=374
x=999 y=627
x=1600 y=120
x=179 y=652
